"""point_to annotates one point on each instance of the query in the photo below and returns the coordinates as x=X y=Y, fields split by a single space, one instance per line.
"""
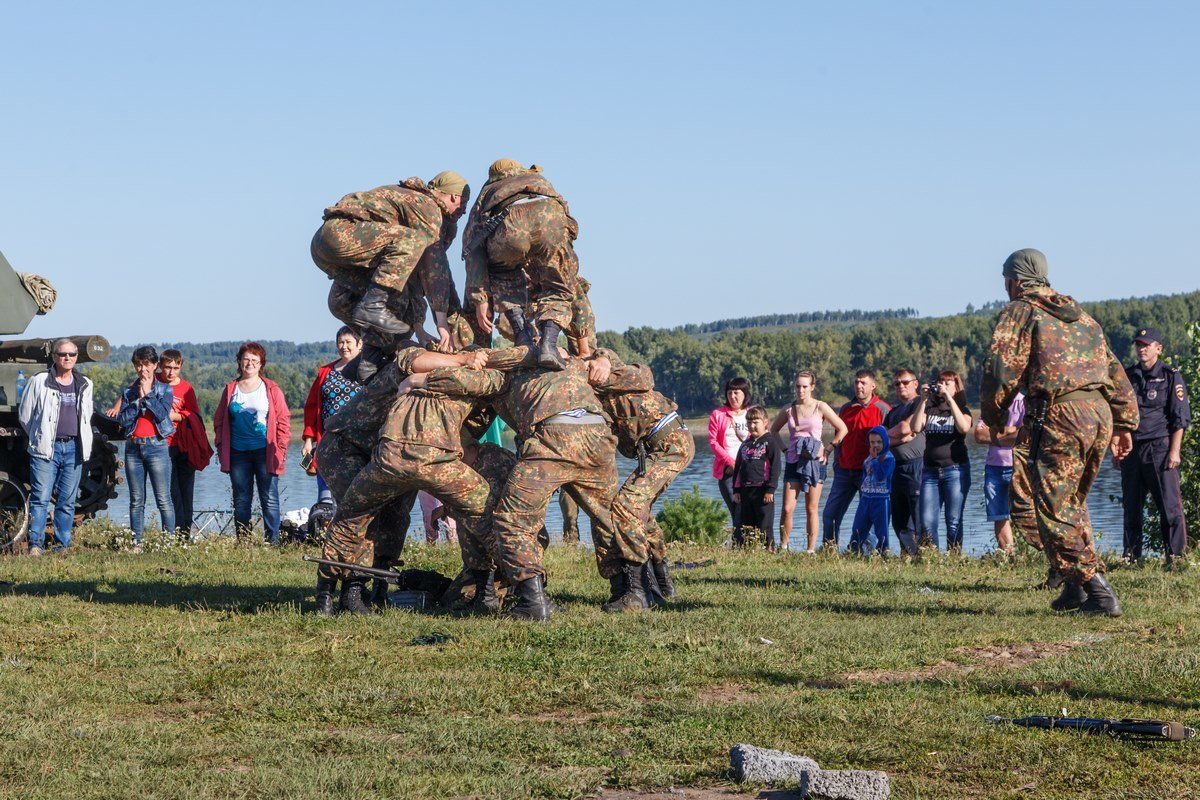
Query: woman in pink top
x=727 y=429
x=804 y=462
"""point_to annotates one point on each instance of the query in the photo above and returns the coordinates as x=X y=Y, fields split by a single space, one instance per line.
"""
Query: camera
x=931 y=389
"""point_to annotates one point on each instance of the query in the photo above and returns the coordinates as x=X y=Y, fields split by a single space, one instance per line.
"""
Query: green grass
x=199 y=673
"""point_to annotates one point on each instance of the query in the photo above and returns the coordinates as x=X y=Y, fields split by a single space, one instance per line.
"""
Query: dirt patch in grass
x=724 y=694
x=971 y=659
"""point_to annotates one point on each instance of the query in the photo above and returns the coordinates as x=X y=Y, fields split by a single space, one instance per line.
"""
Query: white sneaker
x=35 y=551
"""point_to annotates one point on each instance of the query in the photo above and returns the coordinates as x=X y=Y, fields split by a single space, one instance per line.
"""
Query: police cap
x=1148 y=336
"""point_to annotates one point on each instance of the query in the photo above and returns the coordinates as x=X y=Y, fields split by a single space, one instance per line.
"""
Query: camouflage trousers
x=582 y=457
x=478 y=555
x=354 y=253
x=632 y=509
x=1074 y=440
x=339 y=461
x=396 y=469
x=1021 y=514
x=535 y=242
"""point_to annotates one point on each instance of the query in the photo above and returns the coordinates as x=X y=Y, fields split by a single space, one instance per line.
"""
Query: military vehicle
x=21 y=298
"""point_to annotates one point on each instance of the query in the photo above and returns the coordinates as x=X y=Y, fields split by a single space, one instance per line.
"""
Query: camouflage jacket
x=494 y=463
x=629 y=398
x=535 y=394
x=1047 y=345
x=361 y=419
x=493 y=198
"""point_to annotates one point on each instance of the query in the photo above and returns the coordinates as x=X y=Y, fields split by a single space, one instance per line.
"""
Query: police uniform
x=1163 y=403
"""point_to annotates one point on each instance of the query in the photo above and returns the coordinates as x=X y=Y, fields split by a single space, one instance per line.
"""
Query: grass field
x=199 y=673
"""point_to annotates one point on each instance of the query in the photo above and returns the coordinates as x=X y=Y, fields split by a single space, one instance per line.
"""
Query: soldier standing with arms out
x=1154 y=463
x=519 y=250
x=1078 y=402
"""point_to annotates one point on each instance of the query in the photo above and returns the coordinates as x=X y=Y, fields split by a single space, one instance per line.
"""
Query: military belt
x=1078 y=394
x=576 y=417
x=652 y=440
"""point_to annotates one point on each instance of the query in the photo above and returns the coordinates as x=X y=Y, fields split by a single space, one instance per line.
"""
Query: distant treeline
x=691 y=363
x=799 y=318
x=693 y=371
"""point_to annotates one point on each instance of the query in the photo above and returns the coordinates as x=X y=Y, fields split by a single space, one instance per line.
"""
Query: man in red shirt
x=861 y=414
x=183 y=405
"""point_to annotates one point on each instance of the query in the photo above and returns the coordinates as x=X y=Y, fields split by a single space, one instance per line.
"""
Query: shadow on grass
x=1069 y=689
x=183 y=596
x=867 y=609
x=674 y=604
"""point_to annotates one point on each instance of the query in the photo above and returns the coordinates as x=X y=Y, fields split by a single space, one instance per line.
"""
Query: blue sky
x=167 y=167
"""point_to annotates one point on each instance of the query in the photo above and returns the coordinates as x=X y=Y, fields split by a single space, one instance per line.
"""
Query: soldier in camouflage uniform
x=519 y=249
x=371 y=243
x=649 y=430
x=565 y=441
x=351 y=435
x=1077 y=394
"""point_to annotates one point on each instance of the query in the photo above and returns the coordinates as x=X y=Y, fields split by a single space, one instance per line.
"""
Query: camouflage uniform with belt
x=383 y=235
x=635 y=407
x=529 y=258
x=1047 y=345
x=553 y=453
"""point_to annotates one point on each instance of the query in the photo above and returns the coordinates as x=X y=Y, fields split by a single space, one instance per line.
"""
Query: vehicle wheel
x=98 y=483
x=14 y=513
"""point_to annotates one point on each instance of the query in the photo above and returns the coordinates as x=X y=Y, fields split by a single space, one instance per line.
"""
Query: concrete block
x=849 y=784
x=762 y=765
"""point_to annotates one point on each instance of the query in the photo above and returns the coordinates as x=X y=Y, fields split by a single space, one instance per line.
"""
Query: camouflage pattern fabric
x=1046 y=344
x=395 y=469
x=579 y=456
x=632 y=510
x=382 y=235
x=494 y=464
x=1021 y=513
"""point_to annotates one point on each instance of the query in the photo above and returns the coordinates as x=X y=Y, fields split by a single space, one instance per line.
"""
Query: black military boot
x=531 y=601
x=352 y=596
x=654 y=592
x=1101 y=599
x=486 y=602
x=1054 y=579
x=633 y=598
x=548 y=355
x=1072 y=597
x=325 y=587
x=522 y=336
x=663 y=576
x=373 y=312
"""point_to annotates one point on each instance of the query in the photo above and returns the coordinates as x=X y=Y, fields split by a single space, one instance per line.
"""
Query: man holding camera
x=1154 y=463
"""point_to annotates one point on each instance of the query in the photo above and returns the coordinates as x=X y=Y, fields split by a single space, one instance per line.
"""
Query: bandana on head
x=1027 y=266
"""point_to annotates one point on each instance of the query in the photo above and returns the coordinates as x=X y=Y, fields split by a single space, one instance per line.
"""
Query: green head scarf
x=1027 y=266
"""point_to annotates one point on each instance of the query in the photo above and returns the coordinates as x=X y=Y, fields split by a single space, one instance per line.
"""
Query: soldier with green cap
x=520 y=254
x=1079 y=403
x=371 y=242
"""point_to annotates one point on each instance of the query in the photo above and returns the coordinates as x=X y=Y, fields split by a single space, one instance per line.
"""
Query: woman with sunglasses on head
x=942 y=414
x=804 y=460
x=253 y=426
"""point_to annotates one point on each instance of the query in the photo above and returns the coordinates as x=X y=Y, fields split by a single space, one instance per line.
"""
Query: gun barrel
x=383 y=574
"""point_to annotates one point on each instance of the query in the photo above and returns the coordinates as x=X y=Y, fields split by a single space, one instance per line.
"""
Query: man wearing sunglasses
x=56 y=413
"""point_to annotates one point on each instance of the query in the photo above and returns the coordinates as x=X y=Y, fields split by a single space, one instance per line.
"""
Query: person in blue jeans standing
x=942 y=413
x=870 y=530
x=144 y=414
x=56 y=413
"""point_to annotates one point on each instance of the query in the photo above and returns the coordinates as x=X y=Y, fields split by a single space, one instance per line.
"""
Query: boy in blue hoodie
x=874 y=499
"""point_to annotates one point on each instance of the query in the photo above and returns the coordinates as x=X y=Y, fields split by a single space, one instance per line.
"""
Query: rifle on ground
x=1135 y=728
x=391 y=576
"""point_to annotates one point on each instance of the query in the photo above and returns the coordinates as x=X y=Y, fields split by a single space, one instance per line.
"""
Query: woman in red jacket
x=252 y=428
x=349 y=345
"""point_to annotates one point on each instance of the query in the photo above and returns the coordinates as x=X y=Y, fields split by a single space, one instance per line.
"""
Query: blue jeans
x=248 y=468
x=846 y=483
x=944 y=487
x=57 y=477
x=144 y=458
x=870 y=529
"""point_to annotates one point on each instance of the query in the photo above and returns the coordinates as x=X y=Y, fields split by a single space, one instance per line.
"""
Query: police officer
x=1154 y=462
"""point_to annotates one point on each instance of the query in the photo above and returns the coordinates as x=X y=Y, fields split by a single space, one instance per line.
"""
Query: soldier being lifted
x=371 y=242
x=519 y=250
x=1079 y=402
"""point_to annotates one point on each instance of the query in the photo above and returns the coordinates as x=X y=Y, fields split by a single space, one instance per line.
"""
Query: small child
x=755 y=477
x=875 y=497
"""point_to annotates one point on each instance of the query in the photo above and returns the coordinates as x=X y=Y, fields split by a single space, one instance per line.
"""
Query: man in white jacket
x=56 y=413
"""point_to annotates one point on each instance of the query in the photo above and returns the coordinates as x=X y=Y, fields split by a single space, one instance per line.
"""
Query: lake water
x=298 y=490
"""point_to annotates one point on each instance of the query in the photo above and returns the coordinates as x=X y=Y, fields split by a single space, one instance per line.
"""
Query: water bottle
x=20 y=384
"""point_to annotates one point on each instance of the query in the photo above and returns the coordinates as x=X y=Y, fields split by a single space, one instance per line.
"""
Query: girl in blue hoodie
x=875 y=498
